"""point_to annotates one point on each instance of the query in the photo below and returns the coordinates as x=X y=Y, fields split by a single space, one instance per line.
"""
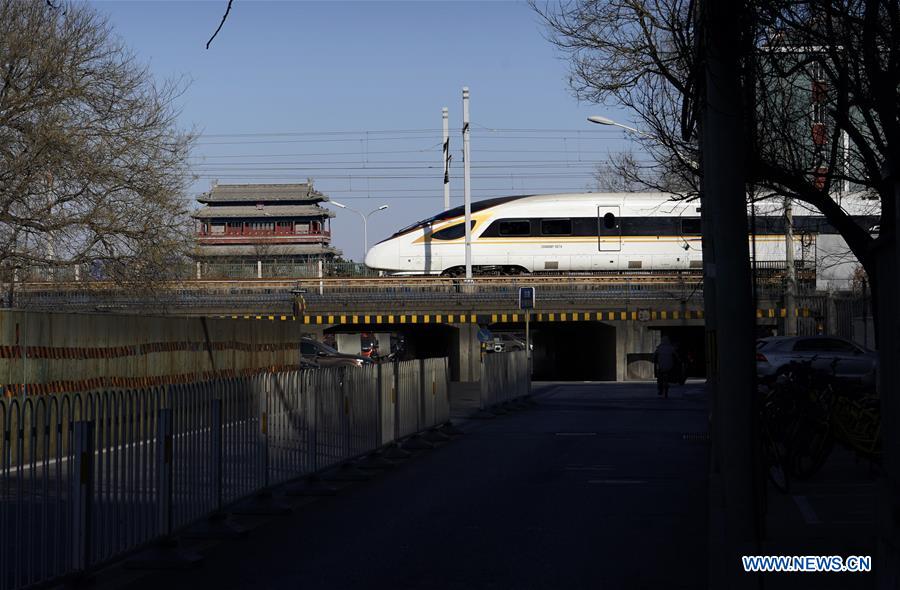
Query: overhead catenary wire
x=405 y=163
x=356 y=153
x=436 y=130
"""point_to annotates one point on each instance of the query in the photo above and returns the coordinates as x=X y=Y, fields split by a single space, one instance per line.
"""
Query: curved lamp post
x=365 y=218
x=606 y=121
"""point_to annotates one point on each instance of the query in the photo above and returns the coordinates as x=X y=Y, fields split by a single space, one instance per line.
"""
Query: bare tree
x=93 y=169
x=619 y=175
x=637 y=54
x=821 y=72
x=822 y=80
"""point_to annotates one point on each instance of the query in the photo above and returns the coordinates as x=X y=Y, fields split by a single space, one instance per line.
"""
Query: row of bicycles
x=805 y=413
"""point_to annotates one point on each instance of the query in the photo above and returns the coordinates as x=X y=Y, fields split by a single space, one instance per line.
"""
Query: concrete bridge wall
x=64 y=351
x=60 y=352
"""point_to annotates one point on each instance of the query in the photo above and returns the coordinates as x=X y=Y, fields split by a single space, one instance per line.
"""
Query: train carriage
x=592 y=232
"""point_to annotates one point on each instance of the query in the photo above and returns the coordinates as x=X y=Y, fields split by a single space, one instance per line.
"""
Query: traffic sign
x=484 y=335
x=526 y=297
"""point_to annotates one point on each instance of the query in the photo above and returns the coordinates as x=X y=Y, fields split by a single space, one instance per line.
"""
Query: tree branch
x=224 y=17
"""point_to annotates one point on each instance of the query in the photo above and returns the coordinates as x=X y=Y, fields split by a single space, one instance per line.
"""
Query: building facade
x=263 y=224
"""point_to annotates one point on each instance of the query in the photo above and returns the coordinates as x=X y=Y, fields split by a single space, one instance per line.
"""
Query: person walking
x=665 y=359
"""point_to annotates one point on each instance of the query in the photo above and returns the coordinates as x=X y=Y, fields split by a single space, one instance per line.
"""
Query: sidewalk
x=833 y=513
x=601 y=485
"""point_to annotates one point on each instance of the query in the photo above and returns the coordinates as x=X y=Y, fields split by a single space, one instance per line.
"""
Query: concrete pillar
x=635 y=344
x=259 y=269
x=621 y=348
x=830 y=313
x=469 y=353
x=348 y=343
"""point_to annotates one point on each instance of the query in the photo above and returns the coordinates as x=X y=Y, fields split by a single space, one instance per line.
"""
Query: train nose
x=383 y=256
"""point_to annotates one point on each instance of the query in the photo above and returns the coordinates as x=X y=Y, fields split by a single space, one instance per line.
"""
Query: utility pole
x=887 y=339
x=444 y=116
x=845 y=148
x=790 y=293
x=467 y=188
x=733 y=506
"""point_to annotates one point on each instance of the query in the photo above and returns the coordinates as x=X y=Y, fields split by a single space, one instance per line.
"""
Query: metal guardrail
x=268 y=269
x=234 y=269
x=88 y=477
x=505 y=376
x=376 y=294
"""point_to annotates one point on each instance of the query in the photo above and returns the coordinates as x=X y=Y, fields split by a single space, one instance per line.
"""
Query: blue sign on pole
x=526 y=298
x=484 y=335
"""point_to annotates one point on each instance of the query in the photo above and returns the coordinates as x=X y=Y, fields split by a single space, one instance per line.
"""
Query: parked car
x=506 y=343
x=318 y=354
x=847 y=361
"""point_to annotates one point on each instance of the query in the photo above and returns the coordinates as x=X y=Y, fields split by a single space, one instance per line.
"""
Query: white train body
x=590 y=232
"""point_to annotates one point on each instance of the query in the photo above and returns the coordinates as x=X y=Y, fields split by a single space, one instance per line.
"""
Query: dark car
x=317 y=354
x=845 y=360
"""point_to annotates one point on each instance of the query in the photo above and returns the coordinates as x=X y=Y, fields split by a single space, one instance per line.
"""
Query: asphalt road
x=596 y=487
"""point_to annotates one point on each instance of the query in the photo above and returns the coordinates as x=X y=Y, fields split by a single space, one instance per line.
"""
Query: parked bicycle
x=809 y=410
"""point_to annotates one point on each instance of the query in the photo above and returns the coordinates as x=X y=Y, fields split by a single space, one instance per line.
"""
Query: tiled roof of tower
x=224 y=193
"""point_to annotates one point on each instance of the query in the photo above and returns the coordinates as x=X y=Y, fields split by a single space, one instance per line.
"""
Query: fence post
x=312 y=396
x=446 y=414
x=218 y=474
x=164 y=471
x=264 y=427
x=395 y=398
x=82 y=494
x=379 y=400
x=345 y=411
x=483 y=386
x=420 y=415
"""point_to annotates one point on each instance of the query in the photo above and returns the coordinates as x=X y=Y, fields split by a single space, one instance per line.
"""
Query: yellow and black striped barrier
x=637 y=315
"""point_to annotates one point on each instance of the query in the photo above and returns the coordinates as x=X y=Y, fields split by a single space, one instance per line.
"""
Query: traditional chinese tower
x=264 y=223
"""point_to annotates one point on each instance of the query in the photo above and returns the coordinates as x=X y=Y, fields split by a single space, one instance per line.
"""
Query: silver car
x=832 y=355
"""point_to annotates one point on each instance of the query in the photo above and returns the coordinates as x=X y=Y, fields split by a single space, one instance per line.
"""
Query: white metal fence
x=505 y=376
x=86 y=477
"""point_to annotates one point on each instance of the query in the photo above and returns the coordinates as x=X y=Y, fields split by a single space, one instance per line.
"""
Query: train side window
x=556 y=227
x=514 y=227
x=690 y=226
x=584 y=226
x=609 y=221
x=454 y=232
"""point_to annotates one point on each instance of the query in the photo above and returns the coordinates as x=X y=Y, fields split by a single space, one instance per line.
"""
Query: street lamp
x=606 y=121
x=365 y=218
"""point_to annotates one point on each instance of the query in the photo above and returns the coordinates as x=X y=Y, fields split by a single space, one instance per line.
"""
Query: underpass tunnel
x=574 y=351
x=409 y=341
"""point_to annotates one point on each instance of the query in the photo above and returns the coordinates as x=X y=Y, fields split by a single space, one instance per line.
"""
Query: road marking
x=806 y=509
x=618 y=481
x=576 y=434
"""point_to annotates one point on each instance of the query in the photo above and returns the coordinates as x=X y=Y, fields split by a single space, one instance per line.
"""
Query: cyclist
x=665 y=360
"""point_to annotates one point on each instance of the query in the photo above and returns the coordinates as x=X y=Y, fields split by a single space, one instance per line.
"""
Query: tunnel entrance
x=406 y=341
x=576 y=351
x=691 y=344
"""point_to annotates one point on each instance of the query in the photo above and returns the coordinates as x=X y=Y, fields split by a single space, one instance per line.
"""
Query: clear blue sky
x=379 y=72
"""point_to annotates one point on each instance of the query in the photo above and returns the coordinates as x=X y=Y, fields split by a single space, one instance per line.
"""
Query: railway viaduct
x=582 y=328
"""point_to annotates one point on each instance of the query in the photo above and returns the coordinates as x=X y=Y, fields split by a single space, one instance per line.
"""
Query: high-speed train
x=594 y=232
